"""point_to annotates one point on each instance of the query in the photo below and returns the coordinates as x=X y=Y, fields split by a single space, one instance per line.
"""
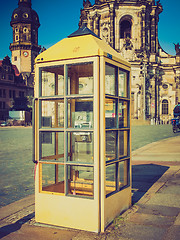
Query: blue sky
x=59 y=18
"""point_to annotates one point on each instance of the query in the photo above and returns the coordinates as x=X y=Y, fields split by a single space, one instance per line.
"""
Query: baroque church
x=131 y=28
x=16 y=75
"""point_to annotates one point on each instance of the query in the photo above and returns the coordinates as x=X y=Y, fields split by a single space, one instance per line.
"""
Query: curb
x=151 y=191
x=150 y=145
x=16 y=207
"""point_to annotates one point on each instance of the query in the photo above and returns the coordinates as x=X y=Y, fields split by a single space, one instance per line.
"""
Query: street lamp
x=158 y=75
x=143 y=68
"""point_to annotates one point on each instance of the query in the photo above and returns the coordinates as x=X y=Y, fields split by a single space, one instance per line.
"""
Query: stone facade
x=17 y=76
x=12 y=86
x=131 y=28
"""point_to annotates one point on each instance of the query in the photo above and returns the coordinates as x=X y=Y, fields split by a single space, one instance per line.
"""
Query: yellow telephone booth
x=81 y=133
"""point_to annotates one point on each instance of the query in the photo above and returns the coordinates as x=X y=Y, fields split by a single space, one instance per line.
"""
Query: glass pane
x=111 y=178
x=123 y=114
x=123 y=174
x=52 y=81
x=52 y=178
x=123 y=143
x=80 y=113
x=122 y=84
x=110 y=113
x=111 y=145
x=52 y=146
x=110 y=80
x=48 y=84
x=80 y=78
x=81 y=181
x=52 y=113
x=80 y=147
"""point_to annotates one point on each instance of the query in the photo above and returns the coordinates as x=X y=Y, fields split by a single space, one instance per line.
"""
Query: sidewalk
x=155 y=214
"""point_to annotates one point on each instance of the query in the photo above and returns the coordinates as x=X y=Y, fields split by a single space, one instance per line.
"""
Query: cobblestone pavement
x=17 y=168
x=155 y=214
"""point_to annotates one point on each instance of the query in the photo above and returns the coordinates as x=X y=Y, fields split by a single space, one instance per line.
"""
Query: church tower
x=25 y=24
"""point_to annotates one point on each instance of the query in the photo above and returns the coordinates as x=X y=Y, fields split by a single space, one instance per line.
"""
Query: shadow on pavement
x=143 y=177
x=8 y=229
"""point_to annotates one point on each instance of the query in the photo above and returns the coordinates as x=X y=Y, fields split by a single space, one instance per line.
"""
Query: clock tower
x=25 y=48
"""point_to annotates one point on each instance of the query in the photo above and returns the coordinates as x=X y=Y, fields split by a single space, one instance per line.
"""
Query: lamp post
x=143 y=73
x=158 y=75
x=144 y=90
x=156 y=83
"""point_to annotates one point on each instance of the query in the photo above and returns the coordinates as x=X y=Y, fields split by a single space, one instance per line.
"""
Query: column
x=153 y=34
x=91 y=23
x=143 y=23
x=112 y=29
x=96 y=24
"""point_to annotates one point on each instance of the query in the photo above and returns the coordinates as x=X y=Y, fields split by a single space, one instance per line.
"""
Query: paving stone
x=141 y=232
x=158 y=219
x=169 y=200
x=158 y=210
x=26 y=232
x=173 y=233
x=153 y=220
x=170 y=188
x=177 y=222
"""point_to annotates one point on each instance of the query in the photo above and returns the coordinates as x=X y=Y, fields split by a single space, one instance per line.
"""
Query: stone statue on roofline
x=177 y=48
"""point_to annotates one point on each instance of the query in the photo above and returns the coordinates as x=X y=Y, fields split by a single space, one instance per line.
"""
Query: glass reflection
x=111 y=145
x=80 y=147
x=80 y=78
x=52 y=113
x=110 y=80
x=81 y=181
x=110 y=113
x=52 y=178
x=123 y=143
x=80 y=113
x=111 y=178
x=122 y=84
x=52 y=146
x=123 y=174
x=52 y=81
x=123 y=114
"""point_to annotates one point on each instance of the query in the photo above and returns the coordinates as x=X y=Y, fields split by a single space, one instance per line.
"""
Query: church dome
x=25 y=14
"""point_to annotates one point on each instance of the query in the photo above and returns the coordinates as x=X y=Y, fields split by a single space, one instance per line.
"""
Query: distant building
x=131 y=28
x=17 y=78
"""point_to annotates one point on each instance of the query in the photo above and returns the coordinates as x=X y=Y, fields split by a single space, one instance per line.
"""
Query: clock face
x=25 y=53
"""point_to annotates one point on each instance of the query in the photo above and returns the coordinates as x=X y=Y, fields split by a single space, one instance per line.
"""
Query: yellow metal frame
x=71 y=211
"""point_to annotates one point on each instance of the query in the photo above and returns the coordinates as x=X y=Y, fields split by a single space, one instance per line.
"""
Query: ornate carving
x=106 y=32
x=177 y=48
x=86 y=3
x=128 y=44
x=100 y=1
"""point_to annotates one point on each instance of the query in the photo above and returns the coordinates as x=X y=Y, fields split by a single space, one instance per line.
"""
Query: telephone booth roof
x=79 y=47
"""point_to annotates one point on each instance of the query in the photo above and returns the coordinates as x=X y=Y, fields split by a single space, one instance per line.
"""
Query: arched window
x=125 y=29
x=165 y=106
